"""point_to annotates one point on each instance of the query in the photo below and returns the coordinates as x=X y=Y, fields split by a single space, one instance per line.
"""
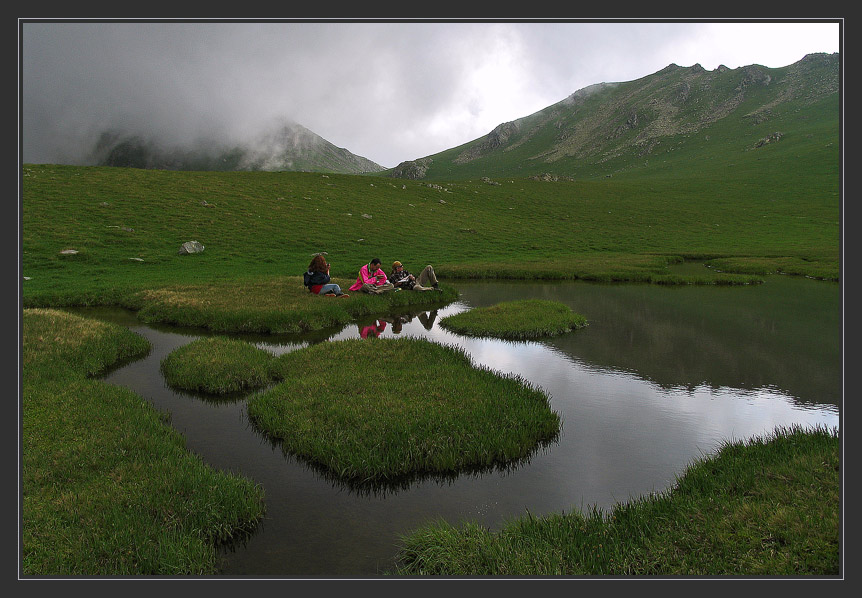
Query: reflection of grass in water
x=528 y=318
x=768 y=506
x=108 y=487
x=381 y=409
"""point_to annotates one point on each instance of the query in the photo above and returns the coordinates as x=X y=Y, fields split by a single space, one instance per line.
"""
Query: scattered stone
x=26 y=278
x=774 y=137
x=190 y=247
x=206 y=204
x=69 y=252
x=366 y=215
x=550 y=178
x=127 y=229
x=136 y=259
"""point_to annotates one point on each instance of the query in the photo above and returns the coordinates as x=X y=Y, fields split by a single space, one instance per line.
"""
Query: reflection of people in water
x=373 y=330
x=427 y=319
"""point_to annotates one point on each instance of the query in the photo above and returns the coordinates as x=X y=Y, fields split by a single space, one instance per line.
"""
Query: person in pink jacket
x=372 y=279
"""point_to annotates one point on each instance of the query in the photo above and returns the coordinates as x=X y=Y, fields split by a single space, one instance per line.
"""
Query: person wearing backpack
x=317 y=279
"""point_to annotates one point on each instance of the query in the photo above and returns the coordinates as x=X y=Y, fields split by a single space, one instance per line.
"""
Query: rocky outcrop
x=412 y=169
x=496 y=139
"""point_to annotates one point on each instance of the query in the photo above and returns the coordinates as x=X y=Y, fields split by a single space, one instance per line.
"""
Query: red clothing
x=365 y=277
x=373 y=329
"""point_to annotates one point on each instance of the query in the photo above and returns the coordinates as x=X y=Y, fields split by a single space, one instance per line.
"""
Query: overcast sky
x=386 y=91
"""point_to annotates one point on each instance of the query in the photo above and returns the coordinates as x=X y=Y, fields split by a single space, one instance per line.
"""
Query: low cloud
x=385 y=91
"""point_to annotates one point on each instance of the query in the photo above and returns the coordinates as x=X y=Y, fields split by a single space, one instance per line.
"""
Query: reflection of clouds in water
x=623 y=435
x=280 y=348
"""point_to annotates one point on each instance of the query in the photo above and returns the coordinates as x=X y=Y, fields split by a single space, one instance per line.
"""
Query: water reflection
x=660 y=377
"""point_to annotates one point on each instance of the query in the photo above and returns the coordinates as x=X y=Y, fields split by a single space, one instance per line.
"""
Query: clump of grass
x=59 y=345
x=217 y=365
x=378 y=410
x=769 y=506
x=108 y=486
x=272 y=305
x=813 y=268
x=528 y=318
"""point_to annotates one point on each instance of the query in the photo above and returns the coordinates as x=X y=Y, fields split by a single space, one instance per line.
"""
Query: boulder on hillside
x=190 y=247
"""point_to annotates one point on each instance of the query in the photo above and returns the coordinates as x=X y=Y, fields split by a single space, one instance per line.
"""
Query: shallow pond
x=660 y=377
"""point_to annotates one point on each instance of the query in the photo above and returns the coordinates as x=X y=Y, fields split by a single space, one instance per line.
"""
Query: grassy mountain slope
x=676 y=122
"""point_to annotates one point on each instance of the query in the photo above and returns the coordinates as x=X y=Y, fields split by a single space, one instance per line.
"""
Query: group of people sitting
x=372 y=279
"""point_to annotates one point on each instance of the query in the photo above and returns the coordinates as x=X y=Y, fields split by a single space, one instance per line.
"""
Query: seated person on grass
x=317 y=279
x=402 y=279
x=372 y=279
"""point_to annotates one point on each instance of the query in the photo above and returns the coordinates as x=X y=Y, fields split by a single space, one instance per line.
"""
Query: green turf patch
x=529 y=318
x=268 y=306
x=769 y=506
x=217 y=365
x=378 y=410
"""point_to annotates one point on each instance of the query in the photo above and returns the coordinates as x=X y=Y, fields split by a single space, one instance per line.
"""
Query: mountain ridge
x=604 y=121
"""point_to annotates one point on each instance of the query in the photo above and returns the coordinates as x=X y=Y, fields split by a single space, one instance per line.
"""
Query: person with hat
x=402 y=279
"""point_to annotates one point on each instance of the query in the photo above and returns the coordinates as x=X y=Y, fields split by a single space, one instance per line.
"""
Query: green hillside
x=677 y=122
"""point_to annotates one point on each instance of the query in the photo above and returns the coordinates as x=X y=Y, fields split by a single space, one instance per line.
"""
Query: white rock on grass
x=190 y=247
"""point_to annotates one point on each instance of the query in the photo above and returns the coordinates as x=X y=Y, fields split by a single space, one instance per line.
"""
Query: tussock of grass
x=812 y=268
x=529 y=318
x=769 y=506
x=274 y=305
x=218 y=366
x=59 y=345
x=376 y=410
x=108 y=487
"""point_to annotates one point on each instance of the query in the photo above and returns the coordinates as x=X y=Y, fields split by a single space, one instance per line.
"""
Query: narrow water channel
x=660 y=377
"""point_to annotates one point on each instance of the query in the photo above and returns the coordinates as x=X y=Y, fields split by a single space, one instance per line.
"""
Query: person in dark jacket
x=402 y=279
x=317 y=279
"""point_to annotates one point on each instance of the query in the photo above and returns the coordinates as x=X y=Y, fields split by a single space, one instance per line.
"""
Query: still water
x=660 y=377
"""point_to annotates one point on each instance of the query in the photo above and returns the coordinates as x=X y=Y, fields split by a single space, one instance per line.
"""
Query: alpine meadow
x=735 y=170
